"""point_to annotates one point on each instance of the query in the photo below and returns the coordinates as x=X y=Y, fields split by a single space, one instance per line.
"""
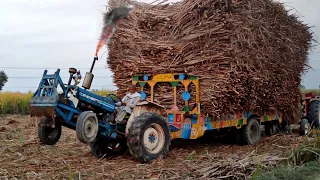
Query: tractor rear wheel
x=87 y=127
x=314 y=113
x=251 y=132
x=148 y=137
x=47 y=134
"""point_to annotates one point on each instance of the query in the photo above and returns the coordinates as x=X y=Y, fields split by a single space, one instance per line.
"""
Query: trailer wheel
x=304 y=127
x=47 y=134
x=87 y=127
x=251 y=132
x=148 y=137
x=314 y=113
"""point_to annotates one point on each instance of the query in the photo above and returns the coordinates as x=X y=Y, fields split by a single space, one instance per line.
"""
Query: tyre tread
x=43 y=136
x=134 y=140
x=246 y=131
x=79 y=124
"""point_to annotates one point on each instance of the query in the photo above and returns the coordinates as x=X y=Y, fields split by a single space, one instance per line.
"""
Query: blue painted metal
x=173 y=128
x=186 y=131
x=249 y=114
x=186 y=96
x=96 y=100
x=181 y=76
x=71 y=109
x=145 y=78
x=208 y=126
x=113 y=135
x=193 y=120
x=170 y=118
x=152 y=138
x=46 y=97
x=143 y=95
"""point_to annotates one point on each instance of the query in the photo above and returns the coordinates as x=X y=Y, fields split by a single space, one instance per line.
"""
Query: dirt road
x=22 y=157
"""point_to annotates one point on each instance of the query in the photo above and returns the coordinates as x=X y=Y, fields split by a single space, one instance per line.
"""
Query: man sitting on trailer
x=128 y=102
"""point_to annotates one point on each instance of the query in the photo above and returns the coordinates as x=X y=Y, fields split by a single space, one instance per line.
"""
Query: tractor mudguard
x=145 y=106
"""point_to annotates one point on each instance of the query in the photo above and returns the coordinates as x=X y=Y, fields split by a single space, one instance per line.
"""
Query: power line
x=99 y=77
x=37 y=87
x=11 y=67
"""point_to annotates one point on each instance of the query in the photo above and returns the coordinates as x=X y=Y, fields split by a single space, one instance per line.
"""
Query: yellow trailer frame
x=189 y=123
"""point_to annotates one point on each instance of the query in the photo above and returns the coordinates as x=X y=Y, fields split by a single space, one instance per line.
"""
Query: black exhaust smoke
x=110 y=20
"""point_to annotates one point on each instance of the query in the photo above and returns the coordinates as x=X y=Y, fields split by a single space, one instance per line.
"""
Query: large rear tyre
x=148 y=137
x=47 y=134
x=87 y=127
x=251 y=132
x=313 y=114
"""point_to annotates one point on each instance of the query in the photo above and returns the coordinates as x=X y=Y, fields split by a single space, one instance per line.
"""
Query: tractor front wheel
x=251 y=132
x=148 y=137
x=47 y=134
x=87 y=127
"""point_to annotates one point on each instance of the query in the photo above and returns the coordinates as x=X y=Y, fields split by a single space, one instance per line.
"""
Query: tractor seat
x=72 y=70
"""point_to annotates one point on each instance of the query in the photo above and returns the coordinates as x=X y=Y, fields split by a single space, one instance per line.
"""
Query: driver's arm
x=118 y=103
x=134 y=102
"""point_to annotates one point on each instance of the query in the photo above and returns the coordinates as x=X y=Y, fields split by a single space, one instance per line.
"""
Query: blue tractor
x=79 y=109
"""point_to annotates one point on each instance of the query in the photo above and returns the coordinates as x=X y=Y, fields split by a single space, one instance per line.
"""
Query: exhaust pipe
x=89 y=76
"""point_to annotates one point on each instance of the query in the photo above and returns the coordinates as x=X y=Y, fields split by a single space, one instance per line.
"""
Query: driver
x=128 y=102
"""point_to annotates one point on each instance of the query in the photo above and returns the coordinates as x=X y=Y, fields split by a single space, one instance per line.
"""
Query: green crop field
x=18 y=103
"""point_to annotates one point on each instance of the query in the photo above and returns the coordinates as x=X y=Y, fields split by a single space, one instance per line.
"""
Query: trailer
x=149 y=129
x=189 y=122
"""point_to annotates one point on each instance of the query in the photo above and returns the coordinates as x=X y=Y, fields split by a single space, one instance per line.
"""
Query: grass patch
x=302 y=164
x=308 y=171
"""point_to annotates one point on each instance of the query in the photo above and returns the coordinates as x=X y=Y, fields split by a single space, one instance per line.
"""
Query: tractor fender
x=145 y=106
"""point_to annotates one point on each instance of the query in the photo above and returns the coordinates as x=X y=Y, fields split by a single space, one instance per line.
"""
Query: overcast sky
x=64 y=33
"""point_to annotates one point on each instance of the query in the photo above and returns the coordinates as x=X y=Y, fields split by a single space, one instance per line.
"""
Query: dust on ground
x=22 y=157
